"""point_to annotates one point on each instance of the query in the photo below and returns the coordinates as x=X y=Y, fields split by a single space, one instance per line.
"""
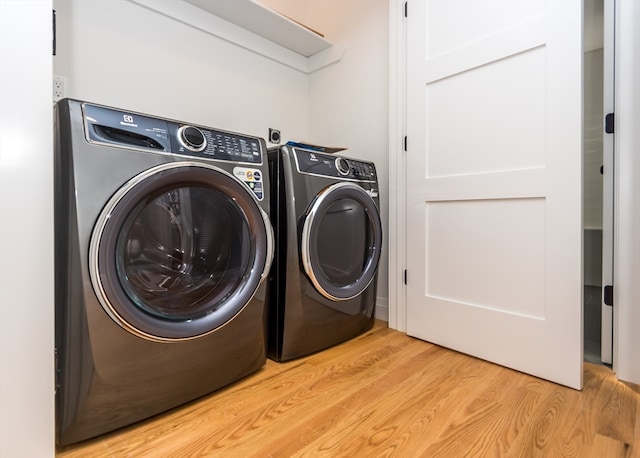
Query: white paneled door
x=494 y=168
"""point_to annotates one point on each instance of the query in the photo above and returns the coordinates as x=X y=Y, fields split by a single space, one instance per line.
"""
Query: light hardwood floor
x=386 y=394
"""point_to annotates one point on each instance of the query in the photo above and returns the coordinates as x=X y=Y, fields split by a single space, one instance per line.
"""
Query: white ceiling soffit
x=255 y=27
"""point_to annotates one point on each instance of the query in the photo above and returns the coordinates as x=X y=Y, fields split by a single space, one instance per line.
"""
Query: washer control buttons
x=192 y=138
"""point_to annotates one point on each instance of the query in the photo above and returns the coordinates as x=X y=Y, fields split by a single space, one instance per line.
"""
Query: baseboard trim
x=382 y=309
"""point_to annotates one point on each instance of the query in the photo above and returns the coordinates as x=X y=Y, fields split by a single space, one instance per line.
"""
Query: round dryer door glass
x=179 y=251
x=341 y=241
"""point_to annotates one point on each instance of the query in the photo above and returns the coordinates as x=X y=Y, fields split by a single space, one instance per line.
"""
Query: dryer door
x=179 y=251
x=341 y=241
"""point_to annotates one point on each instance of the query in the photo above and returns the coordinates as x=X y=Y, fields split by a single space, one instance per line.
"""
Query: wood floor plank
x=338 y=419
x=616 y=419
x=605 y=447
x=318 y=417
x=491 y=421
x=387 y=394
x=364 y=425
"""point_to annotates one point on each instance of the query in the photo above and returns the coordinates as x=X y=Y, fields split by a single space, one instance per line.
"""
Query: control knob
x=343 y=166
x=192 y=138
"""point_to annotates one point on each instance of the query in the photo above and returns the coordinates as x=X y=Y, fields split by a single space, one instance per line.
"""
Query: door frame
x=626 y=251
x=626 y=292
x=397 y=166
x=608 y=142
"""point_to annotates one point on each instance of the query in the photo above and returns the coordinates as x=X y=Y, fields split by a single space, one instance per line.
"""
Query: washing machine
x=162 y=247
x=322 y=286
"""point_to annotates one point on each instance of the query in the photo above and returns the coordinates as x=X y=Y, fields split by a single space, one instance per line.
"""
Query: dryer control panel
x=322 y=164
x=130 y=130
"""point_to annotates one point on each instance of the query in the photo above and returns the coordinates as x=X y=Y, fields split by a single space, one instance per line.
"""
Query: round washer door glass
x=179 y=251
x=341 y=241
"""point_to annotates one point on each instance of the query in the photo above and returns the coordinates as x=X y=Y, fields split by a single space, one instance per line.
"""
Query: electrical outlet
x=274 y=136
x=59 y=88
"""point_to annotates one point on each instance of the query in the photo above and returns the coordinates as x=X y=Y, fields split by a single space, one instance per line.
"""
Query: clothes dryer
x=322 y=286
x=163 y=243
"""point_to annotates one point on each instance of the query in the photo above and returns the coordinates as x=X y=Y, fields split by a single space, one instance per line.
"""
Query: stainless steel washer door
x=341 y=241
x=178 y=251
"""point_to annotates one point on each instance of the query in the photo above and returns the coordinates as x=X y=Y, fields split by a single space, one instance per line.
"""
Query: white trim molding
x=27 y=318
x=626 y=361
x=397 y=243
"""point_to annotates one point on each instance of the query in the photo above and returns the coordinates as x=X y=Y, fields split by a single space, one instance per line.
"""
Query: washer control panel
x=130 y=130
x=215 y=144
x=314 y=163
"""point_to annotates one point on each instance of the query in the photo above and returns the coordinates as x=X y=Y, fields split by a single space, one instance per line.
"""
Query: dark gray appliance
x=322 y=287
x=163 y=243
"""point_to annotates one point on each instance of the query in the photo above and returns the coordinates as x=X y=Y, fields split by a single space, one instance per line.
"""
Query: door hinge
x=609 y=121
x=405 y=142
x=406 y=7
x=607 y=295
x=405 y=276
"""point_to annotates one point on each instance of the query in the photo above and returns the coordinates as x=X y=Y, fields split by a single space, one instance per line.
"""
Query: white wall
x=349 y=100
x=26 y=231
x=121 y=54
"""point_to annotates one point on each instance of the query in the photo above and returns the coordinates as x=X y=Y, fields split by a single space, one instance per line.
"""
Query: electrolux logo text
x=128 y=121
